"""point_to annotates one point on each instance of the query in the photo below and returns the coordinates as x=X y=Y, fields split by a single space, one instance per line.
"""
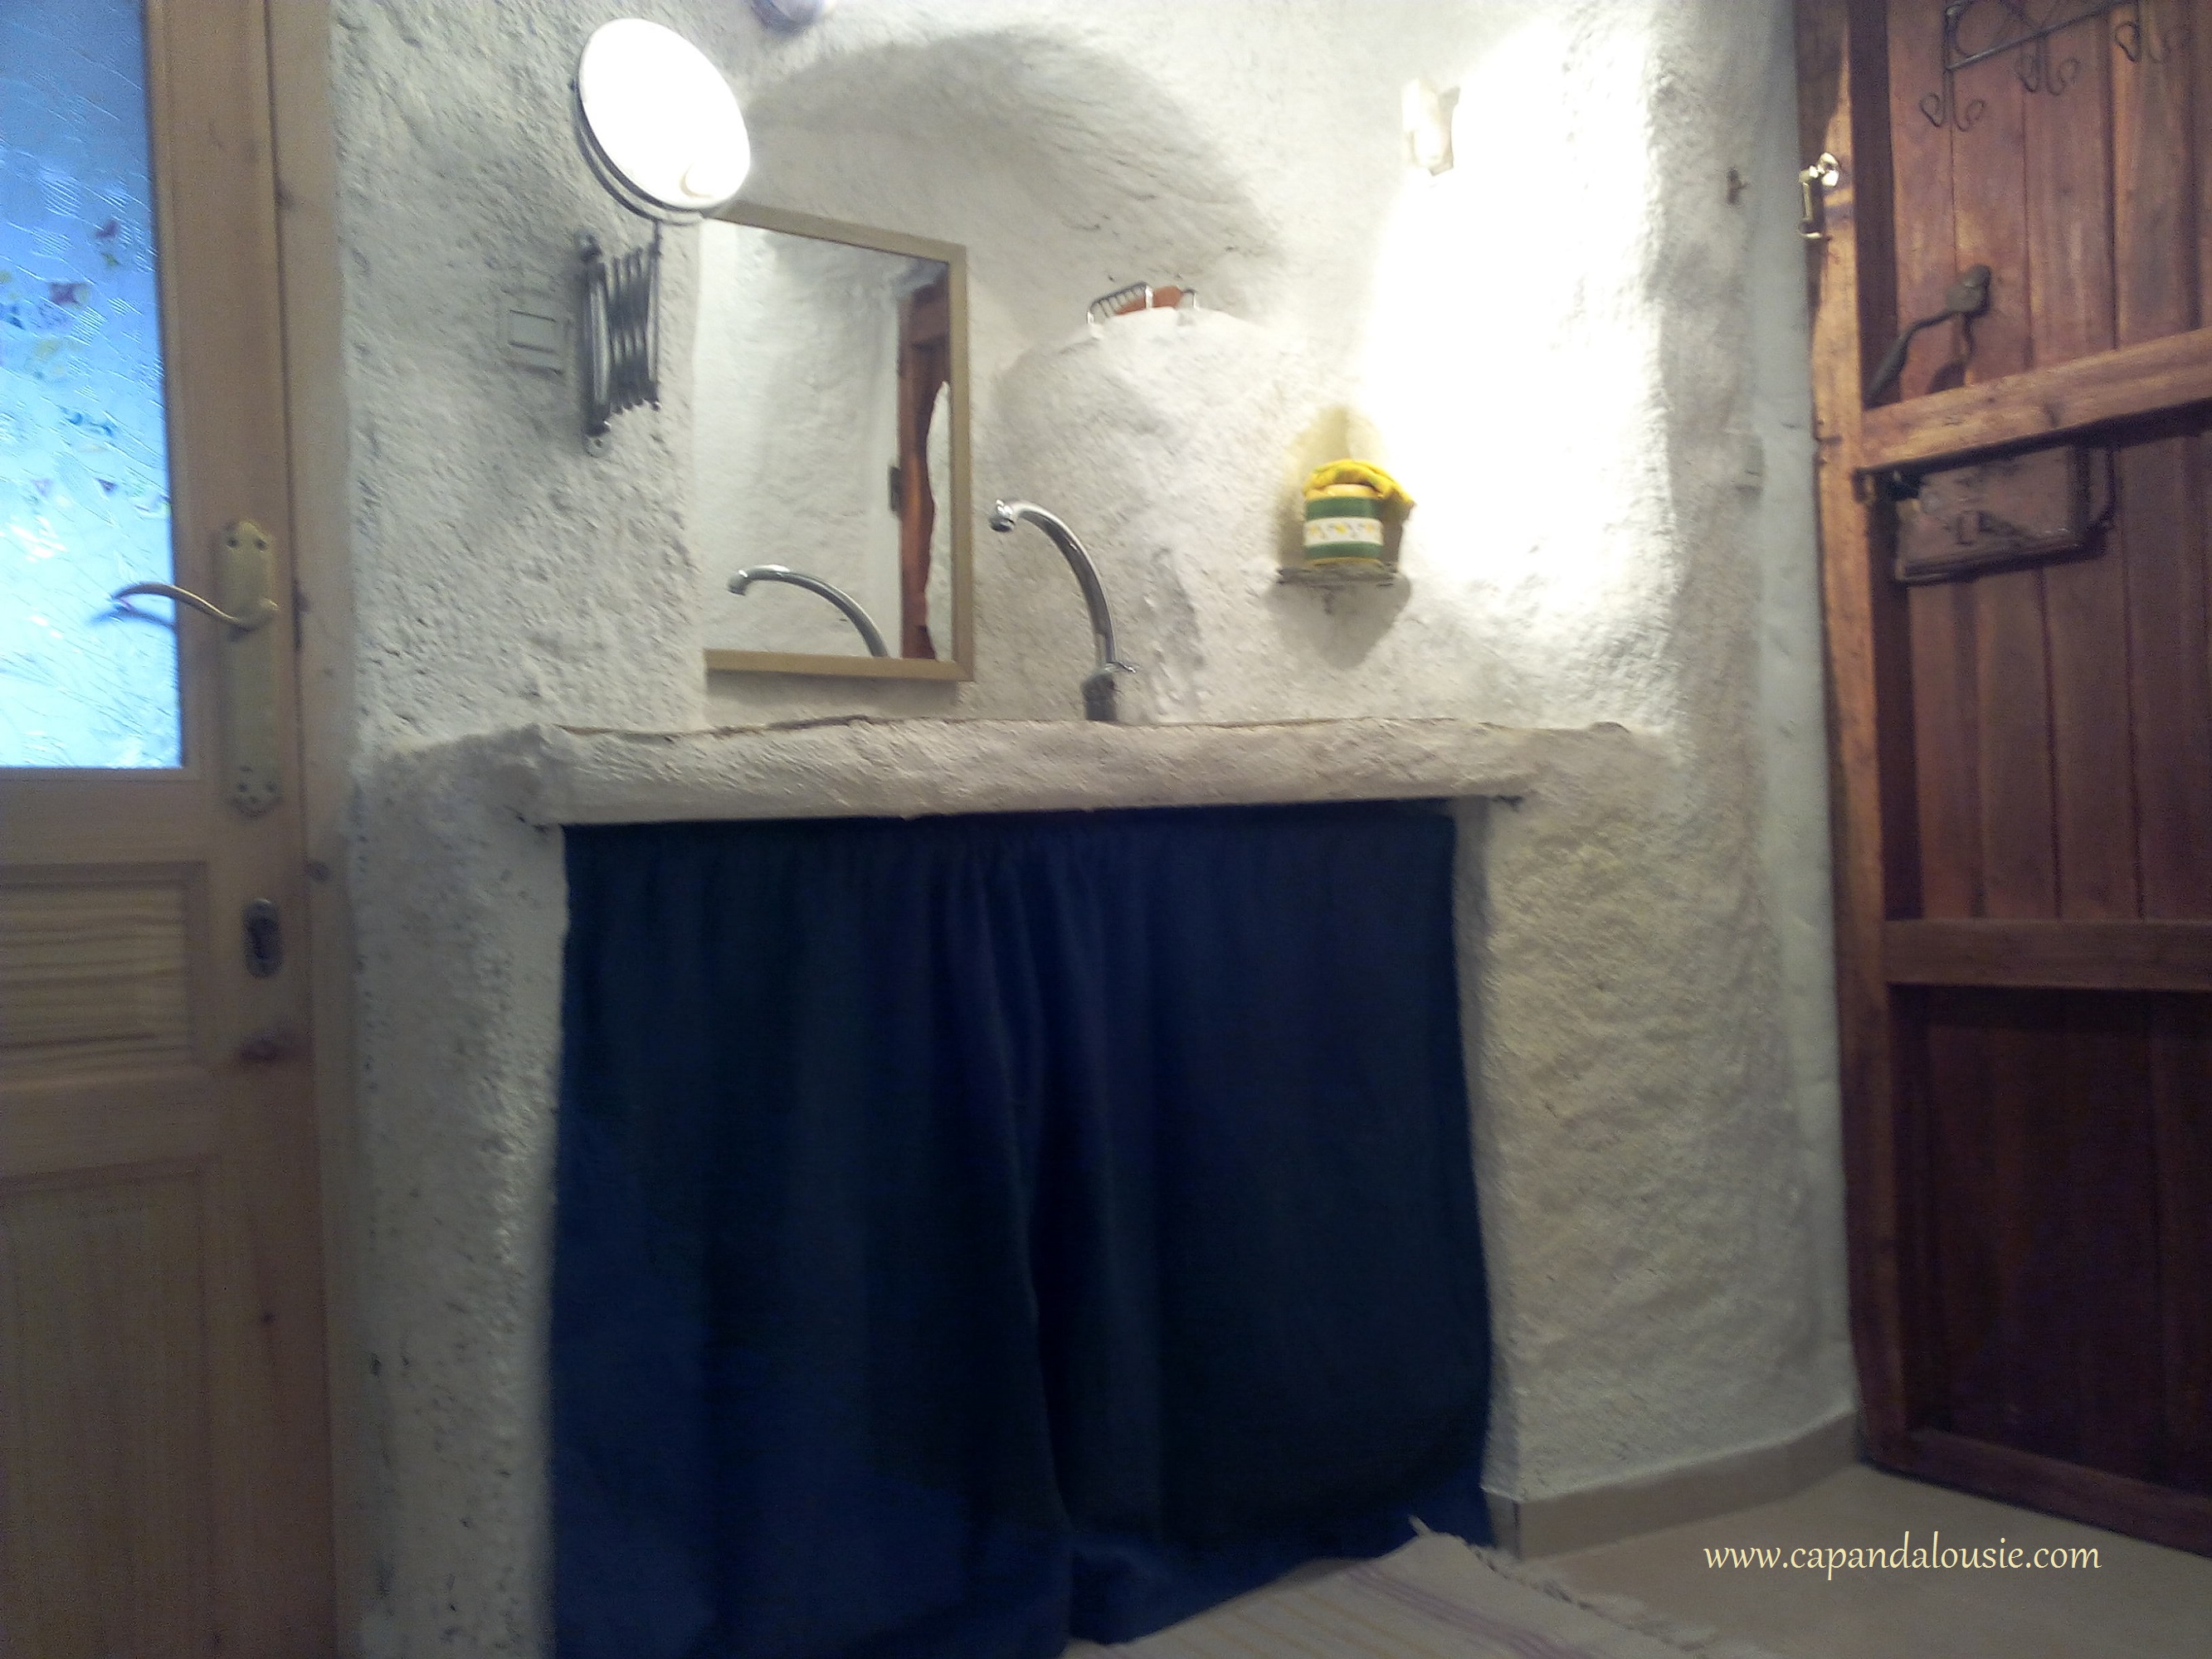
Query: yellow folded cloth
x=1347 y=477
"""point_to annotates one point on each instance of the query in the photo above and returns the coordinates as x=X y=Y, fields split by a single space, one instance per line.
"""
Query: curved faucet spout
x=836 y=596
x=1099 y=701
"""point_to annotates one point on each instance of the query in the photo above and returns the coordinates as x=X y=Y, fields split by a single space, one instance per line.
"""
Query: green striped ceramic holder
x=1339 y=528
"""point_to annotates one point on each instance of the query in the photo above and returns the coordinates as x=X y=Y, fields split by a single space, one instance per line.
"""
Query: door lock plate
x=2014 y=510
x=264 y=939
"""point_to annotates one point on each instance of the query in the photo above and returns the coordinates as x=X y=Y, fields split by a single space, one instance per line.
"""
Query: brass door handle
x=245 y=582
x=263 y=615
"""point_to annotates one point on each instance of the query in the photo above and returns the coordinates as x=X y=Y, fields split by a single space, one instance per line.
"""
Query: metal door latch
x=1827 y=173
x=1966 y=299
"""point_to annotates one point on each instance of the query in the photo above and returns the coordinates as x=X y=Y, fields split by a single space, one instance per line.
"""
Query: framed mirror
x=829 y=448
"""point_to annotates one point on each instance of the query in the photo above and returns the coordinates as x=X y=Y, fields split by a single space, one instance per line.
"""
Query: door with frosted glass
x=164 y=1475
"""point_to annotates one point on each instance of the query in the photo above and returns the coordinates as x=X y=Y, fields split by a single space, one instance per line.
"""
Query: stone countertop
x=864 y=767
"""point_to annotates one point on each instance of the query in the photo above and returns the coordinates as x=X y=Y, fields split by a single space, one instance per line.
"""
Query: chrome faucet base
x=1100 y=699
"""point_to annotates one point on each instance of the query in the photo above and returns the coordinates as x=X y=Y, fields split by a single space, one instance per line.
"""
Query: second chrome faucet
x=1100 y=698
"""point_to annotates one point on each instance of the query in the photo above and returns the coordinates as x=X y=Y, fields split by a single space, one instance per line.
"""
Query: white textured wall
x=1585 y=361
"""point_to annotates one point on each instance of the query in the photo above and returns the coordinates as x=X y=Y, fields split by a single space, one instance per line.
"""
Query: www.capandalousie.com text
x=1935 y=1555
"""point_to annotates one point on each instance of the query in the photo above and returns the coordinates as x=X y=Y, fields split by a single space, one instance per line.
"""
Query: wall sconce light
x=661 y=130
x=1428 y=120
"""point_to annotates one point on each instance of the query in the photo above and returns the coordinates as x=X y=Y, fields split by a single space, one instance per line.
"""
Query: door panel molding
x=319 y=535
x=2081 y=956
x=1845 y=69
x=2038 y=404
x=2182 y=1520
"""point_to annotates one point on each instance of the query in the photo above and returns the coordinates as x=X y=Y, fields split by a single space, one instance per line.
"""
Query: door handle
x=1967 y=299
x=262 y=618
x=246 y=578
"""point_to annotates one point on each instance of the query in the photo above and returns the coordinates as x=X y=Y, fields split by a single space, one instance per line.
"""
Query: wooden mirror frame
x=960 y=664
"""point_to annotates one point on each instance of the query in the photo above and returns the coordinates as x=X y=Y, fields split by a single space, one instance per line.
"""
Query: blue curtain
x=976 y=1230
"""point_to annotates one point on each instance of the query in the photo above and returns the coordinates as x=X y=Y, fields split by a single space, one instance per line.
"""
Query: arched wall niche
x=1112 y=179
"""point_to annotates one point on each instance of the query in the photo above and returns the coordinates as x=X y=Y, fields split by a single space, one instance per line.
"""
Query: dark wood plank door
x=2023 y=752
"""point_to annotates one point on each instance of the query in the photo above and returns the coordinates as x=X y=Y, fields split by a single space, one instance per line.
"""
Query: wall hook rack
x=1975 y=31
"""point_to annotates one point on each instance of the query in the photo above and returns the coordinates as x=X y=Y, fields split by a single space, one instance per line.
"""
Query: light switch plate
x=533 y=330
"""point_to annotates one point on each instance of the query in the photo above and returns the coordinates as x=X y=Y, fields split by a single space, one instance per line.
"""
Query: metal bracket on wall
x=622 y=334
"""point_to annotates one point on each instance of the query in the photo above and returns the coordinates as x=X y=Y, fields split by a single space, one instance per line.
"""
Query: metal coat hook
x=1825 y=172
x=1975 y=31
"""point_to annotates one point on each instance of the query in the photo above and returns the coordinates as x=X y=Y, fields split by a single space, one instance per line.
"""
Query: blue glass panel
x=84 y=469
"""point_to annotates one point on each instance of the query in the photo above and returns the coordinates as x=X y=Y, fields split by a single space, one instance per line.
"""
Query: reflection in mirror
x=826 y=442
x=743 y=580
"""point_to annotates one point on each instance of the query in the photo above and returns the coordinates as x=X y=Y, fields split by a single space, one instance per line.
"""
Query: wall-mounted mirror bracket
x=660 y=129
x=621 y=334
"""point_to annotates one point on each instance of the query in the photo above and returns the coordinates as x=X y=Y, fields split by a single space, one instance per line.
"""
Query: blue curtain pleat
x=974 y=1231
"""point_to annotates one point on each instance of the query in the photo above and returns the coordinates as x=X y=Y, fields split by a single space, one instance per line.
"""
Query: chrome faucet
x=1099 y=702
x=836 y=596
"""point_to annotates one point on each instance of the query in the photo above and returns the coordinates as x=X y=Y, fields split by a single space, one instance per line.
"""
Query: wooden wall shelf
x=1337 y=576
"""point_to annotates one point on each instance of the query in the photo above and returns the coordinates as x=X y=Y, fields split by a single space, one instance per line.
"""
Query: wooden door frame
x=317 y=428
x=1880 y=942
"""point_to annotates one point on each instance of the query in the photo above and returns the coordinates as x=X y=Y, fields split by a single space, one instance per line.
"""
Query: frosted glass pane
x=84 y=468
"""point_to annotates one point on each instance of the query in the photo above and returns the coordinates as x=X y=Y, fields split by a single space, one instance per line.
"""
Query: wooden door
x=164 y=1468
x=925 y=369
x=2023 y=753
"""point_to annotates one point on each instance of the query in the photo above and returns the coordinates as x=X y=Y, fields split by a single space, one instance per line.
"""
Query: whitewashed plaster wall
x=1585 y=359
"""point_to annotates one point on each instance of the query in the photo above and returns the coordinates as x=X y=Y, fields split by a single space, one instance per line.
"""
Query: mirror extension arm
x=836 y=596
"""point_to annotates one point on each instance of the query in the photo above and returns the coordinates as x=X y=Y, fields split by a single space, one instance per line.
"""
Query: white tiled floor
x=2141 y=1602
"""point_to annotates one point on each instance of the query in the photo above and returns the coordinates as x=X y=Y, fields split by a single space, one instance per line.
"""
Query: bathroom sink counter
x=865 y=766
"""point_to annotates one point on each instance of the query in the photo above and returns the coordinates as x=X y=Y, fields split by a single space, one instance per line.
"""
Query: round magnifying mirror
x=657 y=123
